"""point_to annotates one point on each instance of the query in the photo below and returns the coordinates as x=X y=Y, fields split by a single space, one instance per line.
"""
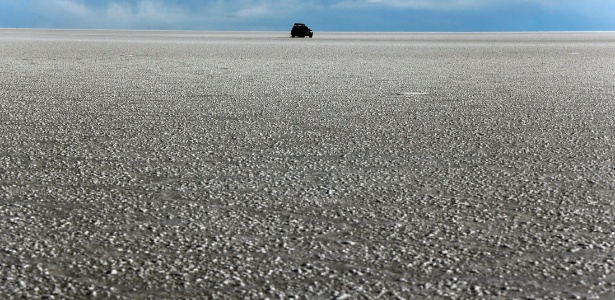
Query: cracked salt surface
x=223 y=165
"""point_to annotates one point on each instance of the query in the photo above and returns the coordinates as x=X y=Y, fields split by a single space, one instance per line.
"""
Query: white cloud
x=269 y=8
x=254 y=11
x=161 y=13
x=423 y=4
x=457 y=4
x=233 y=14
x=67 y=7
x=414 y=4
x=71 y=13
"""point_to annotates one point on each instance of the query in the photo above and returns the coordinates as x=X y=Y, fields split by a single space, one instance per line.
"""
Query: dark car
x=300 y=30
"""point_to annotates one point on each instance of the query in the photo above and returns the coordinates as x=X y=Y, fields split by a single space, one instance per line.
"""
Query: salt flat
x=152 y=165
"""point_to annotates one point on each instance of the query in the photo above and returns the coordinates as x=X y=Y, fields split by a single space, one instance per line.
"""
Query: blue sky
x=321 y=15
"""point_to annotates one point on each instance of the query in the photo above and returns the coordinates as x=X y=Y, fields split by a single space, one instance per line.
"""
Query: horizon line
x=324 y=31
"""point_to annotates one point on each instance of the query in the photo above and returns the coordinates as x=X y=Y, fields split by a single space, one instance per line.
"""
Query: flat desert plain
x=226 y=165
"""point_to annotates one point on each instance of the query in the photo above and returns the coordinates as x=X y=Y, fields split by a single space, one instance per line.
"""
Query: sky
x=320 y=15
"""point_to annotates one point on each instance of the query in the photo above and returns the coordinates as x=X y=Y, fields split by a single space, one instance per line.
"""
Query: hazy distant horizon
x=322 y=31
